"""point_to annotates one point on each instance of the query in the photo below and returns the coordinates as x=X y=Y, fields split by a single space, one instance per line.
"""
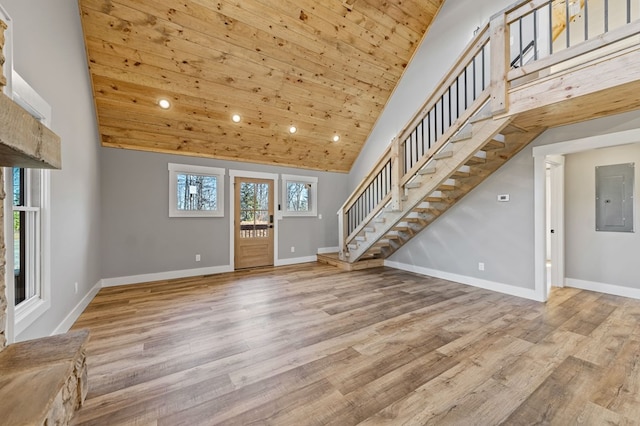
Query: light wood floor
x=312 y=345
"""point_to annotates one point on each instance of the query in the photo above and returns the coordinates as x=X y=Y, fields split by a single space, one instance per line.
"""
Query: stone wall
x=3 y=293
x=3 y=80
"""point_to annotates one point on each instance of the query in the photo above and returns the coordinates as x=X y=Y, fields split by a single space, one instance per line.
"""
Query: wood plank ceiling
x=326 y=67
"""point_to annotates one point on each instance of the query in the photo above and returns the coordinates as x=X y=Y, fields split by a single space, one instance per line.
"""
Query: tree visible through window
x=254 y=210
x=300 y=195
x=196 y=191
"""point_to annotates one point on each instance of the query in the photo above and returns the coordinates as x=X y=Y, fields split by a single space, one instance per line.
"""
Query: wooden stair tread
x=334 y=260
x=442 y=155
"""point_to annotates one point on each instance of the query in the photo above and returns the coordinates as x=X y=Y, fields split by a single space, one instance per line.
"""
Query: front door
x=253 y=222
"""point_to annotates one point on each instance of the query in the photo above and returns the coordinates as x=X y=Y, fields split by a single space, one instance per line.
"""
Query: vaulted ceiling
x=326 y=67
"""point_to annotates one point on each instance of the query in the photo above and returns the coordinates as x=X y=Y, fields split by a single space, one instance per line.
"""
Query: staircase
x=479 y=116
x=475 y=152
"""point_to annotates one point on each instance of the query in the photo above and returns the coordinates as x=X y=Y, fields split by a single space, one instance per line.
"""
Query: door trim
x=557 y=218
x=539 y=189
x=232 y=193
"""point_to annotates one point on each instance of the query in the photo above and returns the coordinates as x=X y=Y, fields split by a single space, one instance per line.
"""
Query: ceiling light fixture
x=336 y=138
x=236 y=118
x=164 y=103
x=293 y=129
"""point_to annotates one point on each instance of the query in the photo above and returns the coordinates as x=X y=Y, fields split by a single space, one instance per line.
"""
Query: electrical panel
x=614 y=197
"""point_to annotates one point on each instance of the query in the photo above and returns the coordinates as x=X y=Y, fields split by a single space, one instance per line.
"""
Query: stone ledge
x=43 y=381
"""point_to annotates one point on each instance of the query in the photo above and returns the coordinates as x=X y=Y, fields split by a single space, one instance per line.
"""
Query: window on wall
x=196 y=191
x=27 y=199
x=28 y=224
x=300 y=195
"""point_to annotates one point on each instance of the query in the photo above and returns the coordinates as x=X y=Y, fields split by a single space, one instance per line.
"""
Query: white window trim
x=314 y=194
x=20 y=317
x=219 y=173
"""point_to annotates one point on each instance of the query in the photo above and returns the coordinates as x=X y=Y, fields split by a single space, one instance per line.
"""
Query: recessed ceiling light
x=336 y=138
x=164 y=103
x=236 y=118
x=293 y=129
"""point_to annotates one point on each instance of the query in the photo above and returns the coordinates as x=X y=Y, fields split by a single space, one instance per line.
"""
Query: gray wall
x=602 y=257
x=480 y=229
x=448 y=36
x=49 y=54
x=138 y=237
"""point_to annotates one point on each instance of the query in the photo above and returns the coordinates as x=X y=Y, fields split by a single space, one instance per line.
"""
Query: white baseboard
x=525 y=293
x=616 y=290
x=296 y=260
x=75 y=313
x=326 y=250
x=169 y=275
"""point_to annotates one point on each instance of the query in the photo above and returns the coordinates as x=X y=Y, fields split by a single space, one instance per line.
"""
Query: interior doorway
x=554 y=223
x=253 y=222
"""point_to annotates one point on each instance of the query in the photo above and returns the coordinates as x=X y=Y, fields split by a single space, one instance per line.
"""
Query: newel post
x=499 y=33
x=396 y=175
x=342 y=234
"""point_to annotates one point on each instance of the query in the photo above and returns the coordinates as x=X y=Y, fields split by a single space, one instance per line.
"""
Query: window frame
x=175 y=169
x=313 y=198
x=21 y=316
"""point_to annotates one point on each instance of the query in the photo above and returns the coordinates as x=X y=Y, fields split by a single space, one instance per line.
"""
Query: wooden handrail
x=364 y=183
x=446 y=136
x=602 y=40
x=367 y=219
x=461 y=63
x=472 y=49
x=523 y=8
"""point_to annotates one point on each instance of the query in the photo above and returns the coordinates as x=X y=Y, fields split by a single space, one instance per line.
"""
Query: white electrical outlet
x=480 y=266
x=197 y=258
x=75 y=286
x=320 y=216
x=293 y=249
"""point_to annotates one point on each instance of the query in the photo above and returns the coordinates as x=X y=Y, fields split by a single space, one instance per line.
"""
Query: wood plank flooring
x=313 y=345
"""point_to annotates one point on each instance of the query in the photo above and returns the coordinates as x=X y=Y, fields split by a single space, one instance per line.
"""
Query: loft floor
x=312 y=345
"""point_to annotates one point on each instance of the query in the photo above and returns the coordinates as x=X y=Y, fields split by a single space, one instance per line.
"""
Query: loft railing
x=522 y=40
x=563 y=30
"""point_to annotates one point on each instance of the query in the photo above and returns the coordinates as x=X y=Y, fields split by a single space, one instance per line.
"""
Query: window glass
x=196 y=191
x=299 y=195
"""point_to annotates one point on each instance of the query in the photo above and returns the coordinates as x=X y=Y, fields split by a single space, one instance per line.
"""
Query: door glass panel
x=247 y=195
x=254 y=210
x=262 y=223
x=262 y=196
